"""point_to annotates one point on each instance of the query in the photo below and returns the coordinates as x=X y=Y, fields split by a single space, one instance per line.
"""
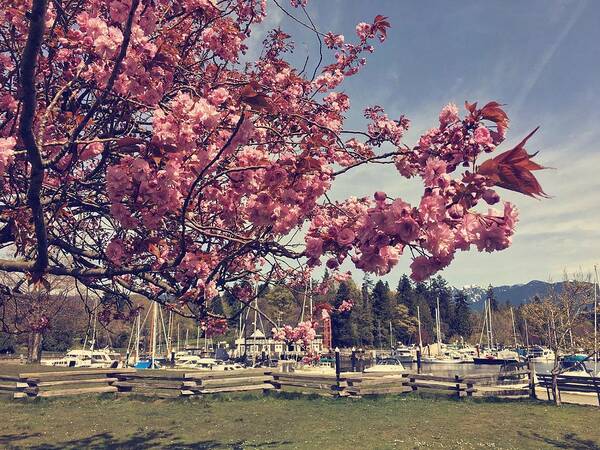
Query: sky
x=541 y=58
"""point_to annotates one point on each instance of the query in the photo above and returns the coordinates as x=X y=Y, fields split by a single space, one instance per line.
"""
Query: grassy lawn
x=286 y=421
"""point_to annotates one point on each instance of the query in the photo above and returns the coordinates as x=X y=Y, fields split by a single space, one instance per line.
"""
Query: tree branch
x=31 y=52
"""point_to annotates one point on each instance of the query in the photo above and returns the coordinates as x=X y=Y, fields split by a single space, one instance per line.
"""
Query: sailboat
x=493 y=356
x=445 y=355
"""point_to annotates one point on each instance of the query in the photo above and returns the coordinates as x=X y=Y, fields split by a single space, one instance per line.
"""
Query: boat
x=497 y=357
x=573 y=359
x=92 y=358
x=326 y=366
x=405 y=354
x=540 y=354
x=447 y=357
x=386 y=365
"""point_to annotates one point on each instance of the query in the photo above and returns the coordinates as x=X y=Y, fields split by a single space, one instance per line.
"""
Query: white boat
x=323 y=368
x=94 y=358
x=445 y=359
x=540 y=354
x=196 y=362
x=386 y=365
x=405 y=354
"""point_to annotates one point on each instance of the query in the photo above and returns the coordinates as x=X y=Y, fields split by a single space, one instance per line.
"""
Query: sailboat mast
x=512 y=315
x=419 y=322
x=154 y=331
x=483 y=323
x=170 y=334
x=490 y=323
x=438 y=324
x=137 y=337
x=596 y=321
x=391 y=342
x=526 y=334
x=311 y=299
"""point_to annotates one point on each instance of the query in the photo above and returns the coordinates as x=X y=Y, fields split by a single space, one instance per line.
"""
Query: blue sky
x=540 y=58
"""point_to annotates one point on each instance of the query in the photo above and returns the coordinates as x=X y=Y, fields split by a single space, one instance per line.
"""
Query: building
x=257 y=343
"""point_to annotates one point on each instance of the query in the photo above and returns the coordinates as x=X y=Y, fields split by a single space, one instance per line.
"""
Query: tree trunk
x=555 y=372
x=555 y=393
x=34 y=347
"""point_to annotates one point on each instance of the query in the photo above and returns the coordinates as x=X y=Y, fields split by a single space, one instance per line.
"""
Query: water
x=467 y=369
x=449 y=370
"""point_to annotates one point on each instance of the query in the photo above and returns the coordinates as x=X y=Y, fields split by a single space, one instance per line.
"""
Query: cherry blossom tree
x=141 y=152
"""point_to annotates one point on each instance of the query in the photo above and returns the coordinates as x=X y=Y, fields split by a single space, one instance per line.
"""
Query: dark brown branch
x=31 y=52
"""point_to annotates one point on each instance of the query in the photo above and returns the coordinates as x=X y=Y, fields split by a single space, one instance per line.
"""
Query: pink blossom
x=346 y=236
x=7 y=146
x=218 y=96
x=304 y=333
x=432 y=208
x=364 y=31
x=492 y=238
x=91 y=151
x=434 y=168
x=314 y=247
x=440 y=240
x=422 y=268
x=334 y=40
x=511 y=215
x=345 y=306
x=119 y=10
x=116 y=251
x=482 y=135
x=448 y=115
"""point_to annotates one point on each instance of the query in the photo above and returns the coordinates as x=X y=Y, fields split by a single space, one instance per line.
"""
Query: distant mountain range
x=515 y=294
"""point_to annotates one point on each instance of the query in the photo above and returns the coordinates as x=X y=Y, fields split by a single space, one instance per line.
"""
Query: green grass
x=292 y=421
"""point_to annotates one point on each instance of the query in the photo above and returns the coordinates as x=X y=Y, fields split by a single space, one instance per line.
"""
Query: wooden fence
x=571 y=384
x=69 y=382
x=176 y=383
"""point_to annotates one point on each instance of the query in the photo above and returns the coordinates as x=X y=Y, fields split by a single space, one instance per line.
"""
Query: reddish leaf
x=512 y=170
x=256 y=100
x=380 y=25
x=493 y=111
x=471 y=107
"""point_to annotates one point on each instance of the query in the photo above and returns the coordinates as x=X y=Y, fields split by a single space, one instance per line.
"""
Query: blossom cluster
x=375 y=233
x=304 y=333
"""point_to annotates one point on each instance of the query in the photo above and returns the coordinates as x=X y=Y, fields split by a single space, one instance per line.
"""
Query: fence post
x=353 y=359
x=338 y=365
x=531 y=375
x=470 y=388
x=457 y=380
x=419 y=360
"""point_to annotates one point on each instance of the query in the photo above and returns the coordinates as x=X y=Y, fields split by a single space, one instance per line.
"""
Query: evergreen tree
x=462 y=324
x=382 y=312
x=404 y=294
x=344 y=325
x=364 y=314
x=439 y=290
x=489 y=295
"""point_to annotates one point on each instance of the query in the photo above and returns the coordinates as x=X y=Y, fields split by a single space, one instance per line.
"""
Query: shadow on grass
x=569 y=440
x=153 y=439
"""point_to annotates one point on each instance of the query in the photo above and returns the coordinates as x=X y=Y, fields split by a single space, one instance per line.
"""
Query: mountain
x=515 y=294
